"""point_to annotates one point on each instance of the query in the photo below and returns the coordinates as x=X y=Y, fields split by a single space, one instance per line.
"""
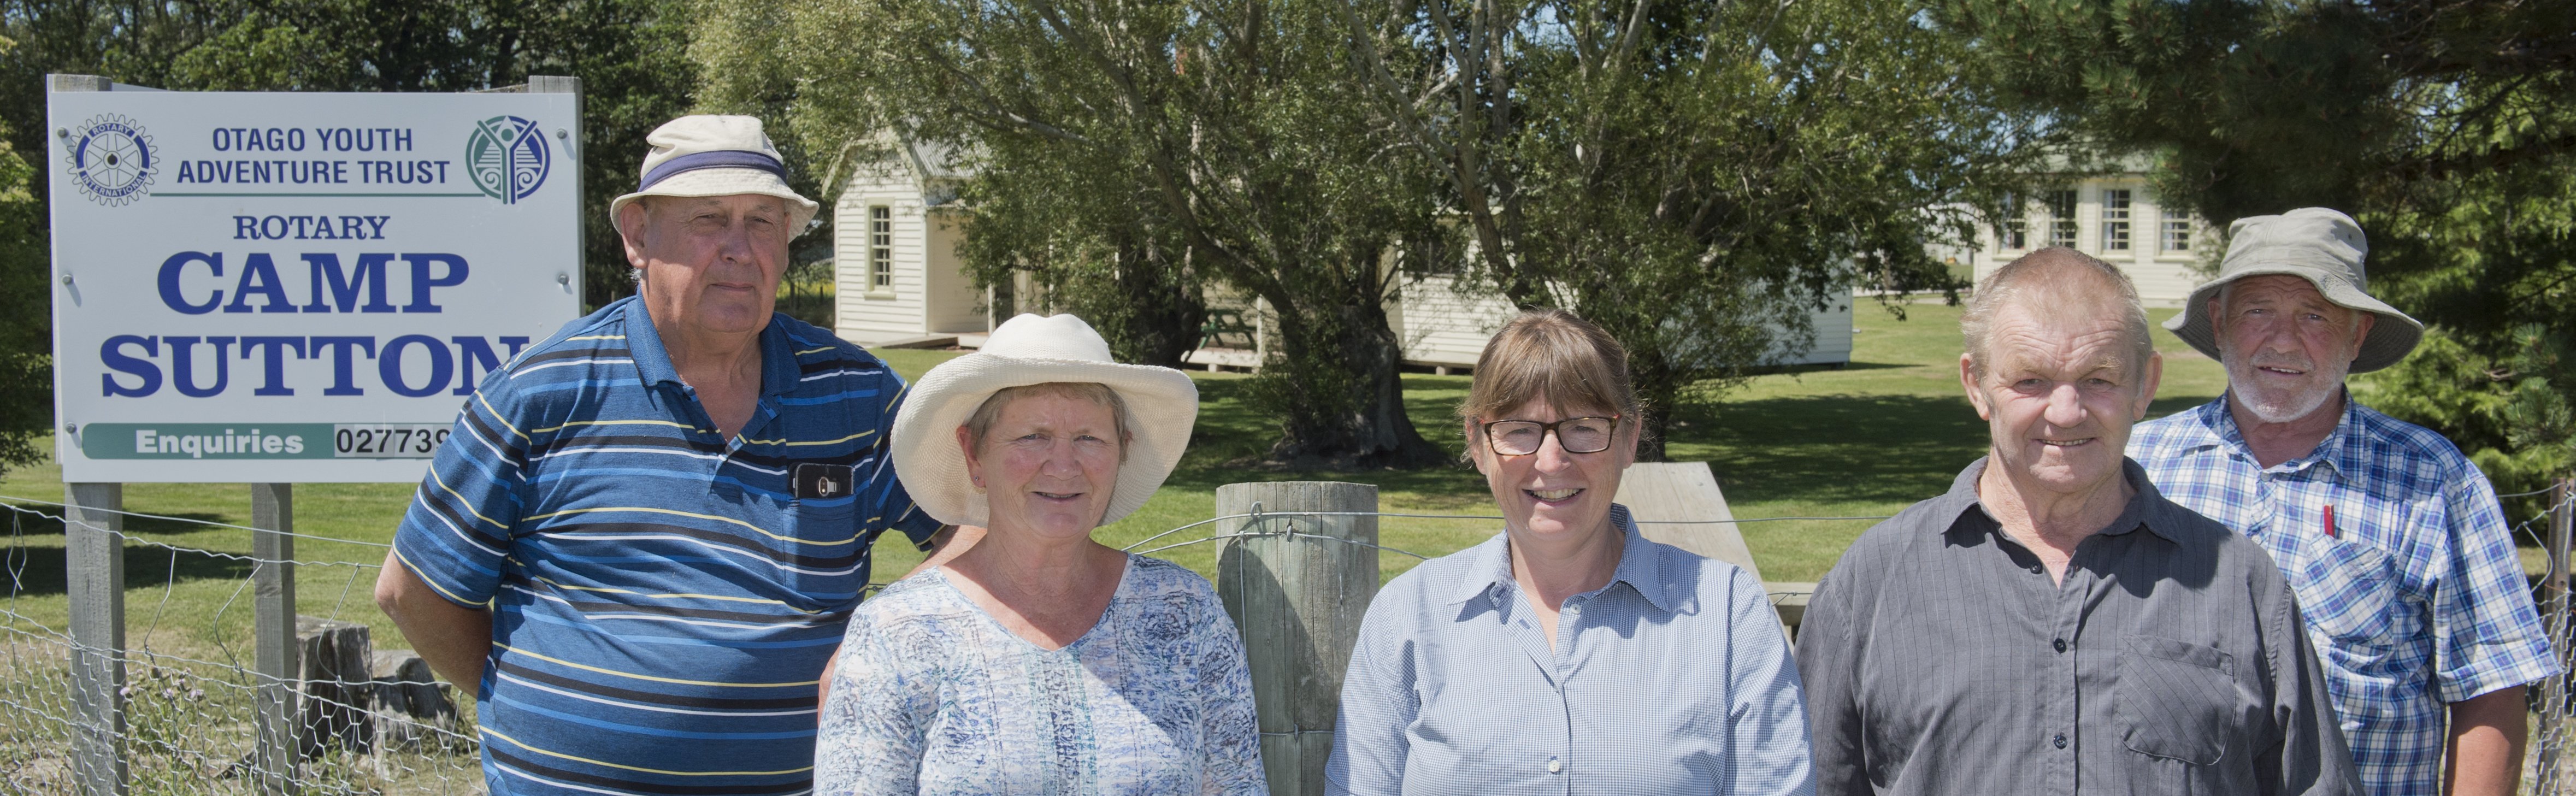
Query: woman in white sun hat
x=1040 y=661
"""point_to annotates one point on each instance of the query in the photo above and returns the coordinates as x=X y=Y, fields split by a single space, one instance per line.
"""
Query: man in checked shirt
x=2400 y=556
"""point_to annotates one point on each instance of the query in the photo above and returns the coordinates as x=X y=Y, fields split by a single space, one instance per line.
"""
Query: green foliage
x=623 y=51
x=1694 y=176
x=1206 y=141
x=2448 y=129
x=26 y=369
x=1100 y=254
x=2510 y=416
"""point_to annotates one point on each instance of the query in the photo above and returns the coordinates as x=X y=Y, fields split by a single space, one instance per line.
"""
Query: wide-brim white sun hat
x=1162 y=407
x=2317 y=244
x=716 y=156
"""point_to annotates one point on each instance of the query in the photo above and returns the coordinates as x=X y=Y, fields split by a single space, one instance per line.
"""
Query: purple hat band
x=720 y=159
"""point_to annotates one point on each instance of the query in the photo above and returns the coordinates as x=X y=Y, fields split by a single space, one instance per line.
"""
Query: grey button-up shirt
x=1940 y=659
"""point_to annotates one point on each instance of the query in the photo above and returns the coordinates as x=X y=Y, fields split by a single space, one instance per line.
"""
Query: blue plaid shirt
x=2413 y=596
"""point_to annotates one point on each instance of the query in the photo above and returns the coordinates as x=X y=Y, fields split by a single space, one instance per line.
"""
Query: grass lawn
x=1862 y=440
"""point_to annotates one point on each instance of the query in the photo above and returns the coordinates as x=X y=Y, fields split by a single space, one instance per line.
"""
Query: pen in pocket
x=2330 y=527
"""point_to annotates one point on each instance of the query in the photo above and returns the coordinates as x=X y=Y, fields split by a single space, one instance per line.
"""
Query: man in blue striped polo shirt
x=645 y=536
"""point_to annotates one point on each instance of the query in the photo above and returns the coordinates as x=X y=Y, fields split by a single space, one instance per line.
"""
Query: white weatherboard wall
x=932 y=293
x=1441 y=327
x=2163 y=274
x=297 y=287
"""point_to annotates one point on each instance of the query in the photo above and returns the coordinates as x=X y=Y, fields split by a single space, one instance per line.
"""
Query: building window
x=881 y=248
x=2061 y=218
x=2177 y=237
x=2015 y=233
x=2115 y=220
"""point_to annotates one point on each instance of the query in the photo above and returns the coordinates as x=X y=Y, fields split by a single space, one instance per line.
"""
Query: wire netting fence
x=191 y=697
x=2549 y=766
x=376 y=722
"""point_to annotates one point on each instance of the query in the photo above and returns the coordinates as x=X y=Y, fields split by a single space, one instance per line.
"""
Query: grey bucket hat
x=2320 y=245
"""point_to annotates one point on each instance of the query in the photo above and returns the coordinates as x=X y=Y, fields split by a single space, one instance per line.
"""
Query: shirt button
x=1554 y=765
x=2060 y=740
x=2061 y=645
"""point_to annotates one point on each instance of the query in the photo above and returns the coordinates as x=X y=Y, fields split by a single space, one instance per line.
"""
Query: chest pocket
x=2346 y=592
x=2179 y=700
x=822 y=513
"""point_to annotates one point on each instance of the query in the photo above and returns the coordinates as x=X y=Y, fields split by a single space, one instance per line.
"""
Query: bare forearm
x=453 y=640
x=2487 y=736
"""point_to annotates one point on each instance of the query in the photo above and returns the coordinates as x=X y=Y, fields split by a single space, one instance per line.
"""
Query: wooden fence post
x=272 y=509
x=94 y=560
x=1298 y=586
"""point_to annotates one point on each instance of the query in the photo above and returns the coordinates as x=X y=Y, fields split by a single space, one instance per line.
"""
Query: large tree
x=1693 y=175
x=26 y=367
x=2448 y=127
x=1202 y=140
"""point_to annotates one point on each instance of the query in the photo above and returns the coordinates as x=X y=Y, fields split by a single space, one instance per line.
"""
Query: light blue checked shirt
x=1673 y=678
x=2415 y=600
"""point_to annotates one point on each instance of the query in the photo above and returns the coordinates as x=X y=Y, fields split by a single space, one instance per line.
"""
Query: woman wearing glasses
x=1567 y=654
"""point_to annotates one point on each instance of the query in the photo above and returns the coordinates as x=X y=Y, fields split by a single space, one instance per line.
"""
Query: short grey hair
x=2055 y=272
x=990 y=411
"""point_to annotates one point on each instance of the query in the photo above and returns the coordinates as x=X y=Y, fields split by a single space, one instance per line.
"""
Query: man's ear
x=1968 y=382
x=2155 y=375
x=2361 y=330
x=630 y=228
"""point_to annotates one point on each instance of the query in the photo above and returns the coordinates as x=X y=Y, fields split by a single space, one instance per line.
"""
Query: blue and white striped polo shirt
x=663 y=598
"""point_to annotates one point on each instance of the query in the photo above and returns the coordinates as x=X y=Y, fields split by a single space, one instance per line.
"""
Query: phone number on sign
x=386 y=441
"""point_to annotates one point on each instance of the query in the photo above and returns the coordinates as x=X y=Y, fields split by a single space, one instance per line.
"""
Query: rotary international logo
x=111 y=159
x=507 y=157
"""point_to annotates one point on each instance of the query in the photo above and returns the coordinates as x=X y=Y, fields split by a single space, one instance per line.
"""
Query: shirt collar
x=778 y=371
x=2145 y=509
x=1641 y=565
x=2337 y=452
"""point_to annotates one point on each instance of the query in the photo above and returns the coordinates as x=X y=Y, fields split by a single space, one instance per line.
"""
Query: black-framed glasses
x=1575 y=434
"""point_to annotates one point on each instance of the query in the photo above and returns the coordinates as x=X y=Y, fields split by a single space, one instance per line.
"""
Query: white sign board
x=285 y=287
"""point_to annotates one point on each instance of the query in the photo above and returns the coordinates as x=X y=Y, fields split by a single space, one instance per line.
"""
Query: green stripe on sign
x=206 y=441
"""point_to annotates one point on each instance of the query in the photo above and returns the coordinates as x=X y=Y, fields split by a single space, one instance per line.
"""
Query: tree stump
x=411 y=706
x=337 y=687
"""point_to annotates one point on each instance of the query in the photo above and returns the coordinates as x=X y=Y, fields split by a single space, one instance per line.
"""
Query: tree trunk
x=1163 y=321
x=1651 y=373
x=1337 y=390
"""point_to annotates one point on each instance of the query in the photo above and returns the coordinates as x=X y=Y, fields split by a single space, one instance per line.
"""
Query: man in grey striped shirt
x=2052 y=624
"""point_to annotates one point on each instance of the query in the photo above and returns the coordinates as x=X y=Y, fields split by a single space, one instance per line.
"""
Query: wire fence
x=191 y=719
x=375 y=722
x=2549 y=768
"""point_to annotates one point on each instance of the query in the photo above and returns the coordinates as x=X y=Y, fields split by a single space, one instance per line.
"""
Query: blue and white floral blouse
x=931 y=695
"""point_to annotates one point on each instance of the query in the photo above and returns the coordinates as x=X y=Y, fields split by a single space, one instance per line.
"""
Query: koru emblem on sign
x=508 y=158
x=111 y=159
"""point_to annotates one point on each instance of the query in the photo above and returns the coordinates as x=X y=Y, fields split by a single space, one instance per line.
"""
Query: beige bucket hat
x=716 y=156
x=1162 y=407
x=2320 y=245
